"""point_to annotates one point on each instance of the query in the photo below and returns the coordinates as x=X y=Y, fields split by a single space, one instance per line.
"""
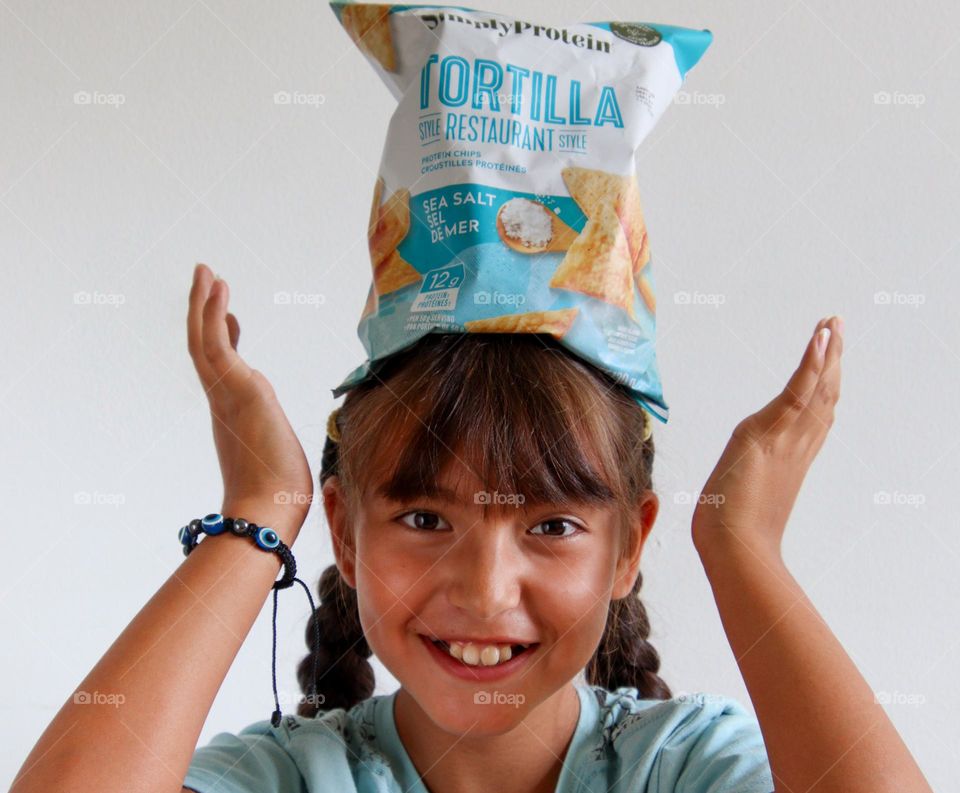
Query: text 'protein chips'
x=507 y=199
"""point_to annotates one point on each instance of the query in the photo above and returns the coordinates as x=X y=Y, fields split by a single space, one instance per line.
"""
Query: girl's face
x=457 y=565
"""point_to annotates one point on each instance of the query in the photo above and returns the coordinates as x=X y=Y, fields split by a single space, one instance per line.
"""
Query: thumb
x=233 y=328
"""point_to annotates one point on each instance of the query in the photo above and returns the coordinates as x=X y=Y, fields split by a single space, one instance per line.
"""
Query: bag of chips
x=507 y=199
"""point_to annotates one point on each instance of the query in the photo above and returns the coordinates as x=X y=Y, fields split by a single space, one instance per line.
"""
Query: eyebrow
x=445 y=495
x=436 y=493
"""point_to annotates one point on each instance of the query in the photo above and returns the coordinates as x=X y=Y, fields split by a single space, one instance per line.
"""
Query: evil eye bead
x=186 y=536
x=240 y=526
x=213 y=524
x=267 y=538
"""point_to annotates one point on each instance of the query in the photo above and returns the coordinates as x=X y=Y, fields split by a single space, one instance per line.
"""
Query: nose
x=485 y=571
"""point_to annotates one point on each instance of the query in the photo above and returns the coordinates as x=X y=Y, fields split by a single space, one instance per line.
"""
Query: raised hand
x=262 y=462
x=748 y=498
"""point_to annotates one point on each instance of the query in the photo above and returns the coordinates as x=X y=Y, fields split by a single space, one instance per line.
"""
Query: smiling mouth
x=515 y=649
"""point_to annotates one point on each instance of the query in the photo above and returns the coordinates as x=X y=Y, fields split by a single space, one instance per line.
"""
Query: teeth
x=475 y=655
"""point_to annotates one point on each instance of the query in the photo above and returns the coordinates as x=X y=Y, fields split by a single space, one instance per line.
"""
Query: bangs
x=513 y=412
x=543 y=461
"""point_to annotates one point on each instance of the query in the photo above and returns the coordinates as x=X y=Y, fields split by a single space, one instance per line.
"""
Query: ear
x=344 y=548
x=628 y=567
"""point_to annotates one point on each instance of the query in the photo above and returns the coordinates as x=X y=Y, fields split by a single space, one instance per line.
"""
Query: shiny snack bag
x=507 y=199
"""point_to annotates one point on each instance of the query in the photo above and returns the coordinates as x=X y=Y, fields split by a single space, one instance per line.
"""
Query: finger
x=234 y=327
x=820 y=409
x=226 y=365
x=789 y=404
x=199 y=292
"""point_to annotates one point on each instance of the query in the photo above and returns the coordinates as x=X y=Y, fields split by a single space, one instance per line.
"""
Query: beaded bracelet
x=265 y=537
x=268 y=540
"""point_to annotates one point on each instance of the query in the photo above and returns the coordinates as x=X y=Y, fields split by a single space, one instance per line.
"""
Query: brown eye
x=428 y=521
x=556 y=527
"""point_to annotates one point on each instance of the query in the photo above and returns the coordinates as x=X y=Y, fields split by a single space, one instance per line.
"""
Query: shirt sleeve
x=721 y=750
x=251 y=761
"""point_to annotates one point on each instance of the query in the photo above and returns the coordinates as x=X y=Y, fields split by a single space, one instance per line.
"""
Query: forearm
x=823 y=730
x=164 y=670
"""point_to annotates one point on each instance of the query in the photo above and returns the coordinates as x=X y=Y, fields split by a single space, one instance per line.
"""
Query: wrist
x=285 y=519
x=721 y=550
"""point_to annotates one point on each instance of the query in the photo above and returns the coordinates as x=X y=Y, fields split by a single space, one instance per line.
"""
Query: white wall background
x=785 y=188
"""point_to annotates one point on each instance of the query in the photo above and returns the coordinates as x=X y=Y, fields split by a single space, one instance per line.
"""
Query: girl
x=489 y=499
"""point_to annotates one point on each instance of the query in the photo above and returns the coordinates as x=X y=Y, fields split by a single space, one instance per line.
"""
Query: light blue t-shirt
x=693 y=743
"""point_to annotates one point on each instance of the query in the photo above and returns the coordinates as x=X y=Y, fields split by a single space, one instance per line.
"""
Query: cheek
x=386 y=583
x=568 y=602
x=576 y=608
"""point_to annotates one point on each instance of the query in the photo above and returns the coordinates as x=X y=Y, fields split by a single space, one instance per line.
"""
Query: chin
x=456 y=713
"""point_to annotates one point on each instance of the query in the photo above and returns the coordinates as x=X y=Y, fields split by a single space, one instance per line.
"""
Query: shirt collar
x=408 y=777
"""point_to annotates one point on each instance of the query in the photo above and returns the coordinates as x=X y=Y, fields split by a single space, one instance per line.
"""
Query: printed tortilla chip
x=593 y=189
x=646 y=292
x=598 y=262
x=392 y=226
x=631 y=216
x=393 y=273
x=388 y=225
x=556 y=323
x=375 y=206
x=368 y=24
x=643 y=256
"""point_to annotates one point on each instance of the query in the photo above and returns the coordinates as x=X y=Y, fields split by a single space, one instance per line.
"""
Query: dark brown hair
x=528 y=417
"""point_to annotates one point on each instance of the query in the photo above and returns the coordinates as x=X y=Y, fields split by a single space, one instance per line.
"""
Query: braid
x=624 y=656
x=345 y=676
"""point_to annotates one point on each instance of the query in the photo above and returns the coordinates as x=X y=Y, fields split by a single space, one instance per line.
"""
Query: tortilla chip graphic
x=375 y=207
x=631 y=216
x=391 y=227
x=592 y=189
x=598 y=262
x=393 y=273
x=368 y=24
x=556 y=323
x=647 y=292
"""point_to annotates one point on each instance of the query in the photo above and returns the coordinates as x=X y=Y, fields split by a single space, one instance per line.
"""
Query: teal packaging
x=507 y=199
